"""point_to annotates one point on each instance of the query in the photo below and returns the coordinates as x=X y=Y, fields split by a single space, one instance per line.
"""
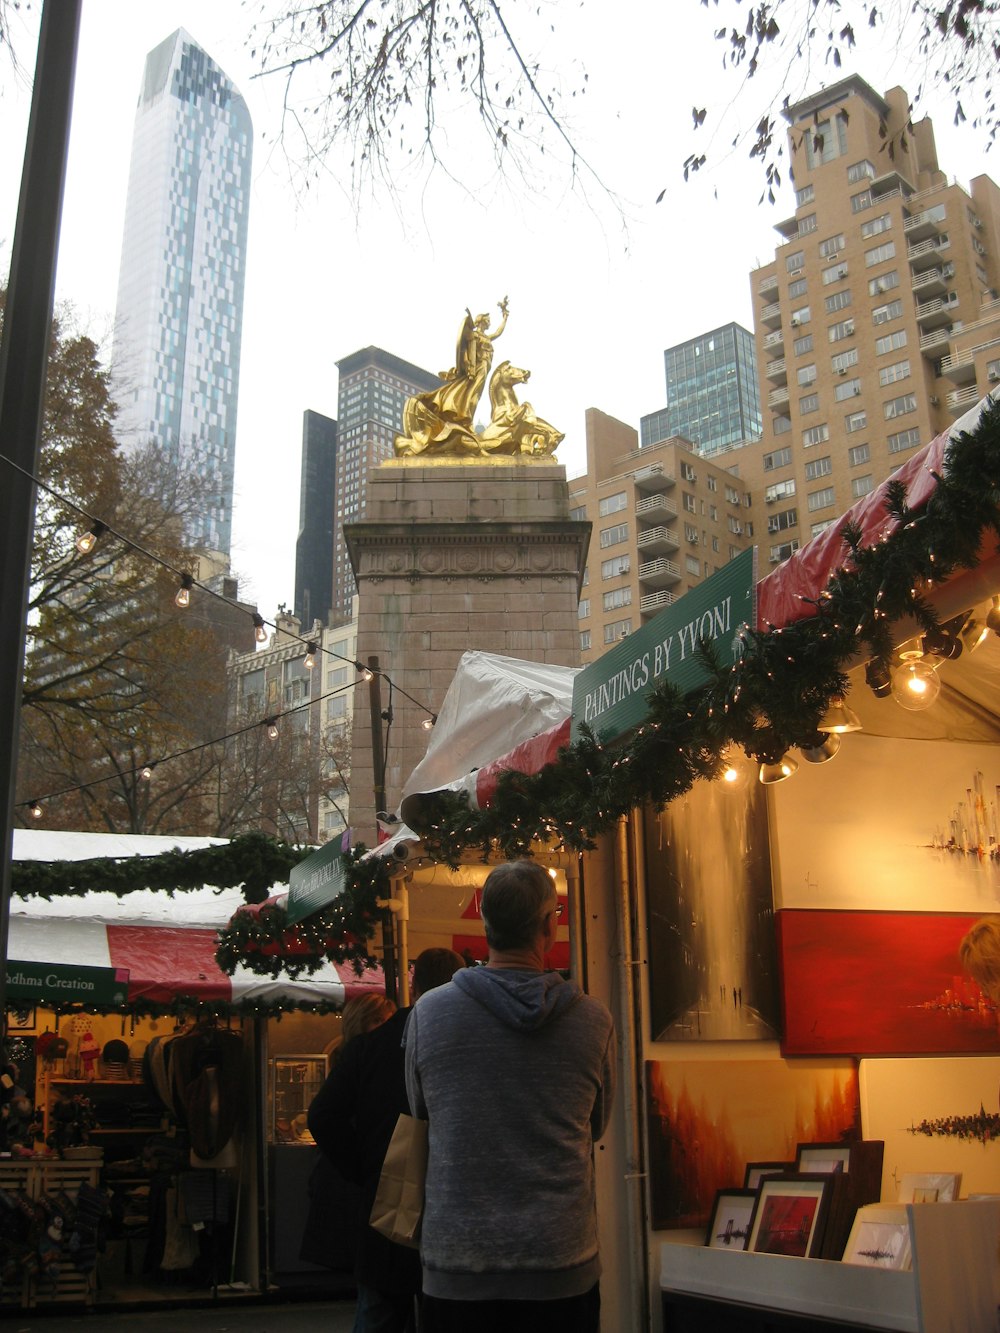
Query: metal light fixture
x=86 y=541
x=973 y=633
x=915 y=683
x=822 y=749
x=309 y=661
x=182 y=597
x=878 y=678
x=259 y=628
x=429 y=722
x=993 y=616
x=777 y=770
x=838 y=718
x=272 y=728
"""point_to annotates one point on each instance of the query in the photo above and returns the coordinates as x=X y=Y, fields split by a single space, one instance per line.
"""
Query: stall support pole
x=261 y=1130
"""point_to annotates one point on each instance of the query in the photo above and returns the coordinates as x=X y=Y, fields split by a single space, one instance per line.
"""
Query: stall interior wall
x=803 y=980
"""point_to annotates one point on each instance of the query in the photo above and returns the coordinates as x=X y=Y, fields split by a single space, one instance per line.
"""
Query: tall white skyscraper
x=178 y=323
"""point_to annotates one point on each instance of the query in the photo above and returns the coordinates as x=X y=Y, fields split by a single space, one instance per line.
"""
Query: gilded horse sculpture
x=439 y=423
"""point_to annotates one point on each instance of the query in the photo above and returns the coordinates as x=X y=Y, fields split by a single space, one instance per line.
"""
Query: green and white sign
x=610 y=694
x=63 y=983
x=315 y=882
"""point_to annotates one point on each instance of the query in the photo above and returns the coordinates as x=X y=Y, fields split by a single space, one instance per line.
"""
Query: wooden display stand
x=953 y=1287
x=36 y=1178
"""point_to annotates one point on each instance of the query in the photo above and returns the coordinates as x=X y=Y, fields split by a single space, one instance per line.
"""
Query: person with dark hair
x=514 y=1069
x=352 y=1118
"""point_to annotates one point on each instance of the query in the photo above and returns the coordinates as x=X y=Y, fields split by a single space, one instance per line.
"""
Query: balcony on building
x=655 y=506
x=771 y=315
x=777 y=370
x=774 y=341
x=653 y=479
x=922 y=226
x=656 y=541
x=659 y=573
x=789 y=228
x=936 y=343
x=932 y=314
x=778 y=398
x=931 y=282
x=960 y=367
x=890 y=185
x=768 y=286
x=926 y=254
x=654 y=602
x=960 y=400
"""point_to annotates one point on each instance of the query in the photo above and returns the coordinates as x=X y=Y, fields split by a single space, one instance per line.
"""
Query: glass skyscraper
x=713 y=398
x=178 y=323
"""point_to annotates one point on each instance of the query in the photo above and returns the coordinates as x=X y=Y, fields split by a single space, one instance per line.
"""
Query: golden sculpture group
x=439 y=423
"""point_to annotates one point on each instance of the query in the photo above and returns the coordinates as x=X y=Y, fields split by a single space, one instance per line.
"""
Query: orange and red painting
x=708 y=1118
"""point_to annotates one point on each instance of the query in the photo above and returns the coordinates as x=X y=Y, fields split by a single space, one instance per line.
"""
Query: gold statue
x=439 y=423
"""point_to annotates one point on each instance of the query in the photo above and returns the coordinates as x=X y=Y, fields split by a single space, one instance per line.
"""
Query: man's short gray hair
x=515 y=899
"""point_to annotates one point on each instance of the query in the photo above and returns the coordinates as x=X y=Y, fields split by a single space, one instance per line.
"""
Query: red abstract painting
x=880 y=983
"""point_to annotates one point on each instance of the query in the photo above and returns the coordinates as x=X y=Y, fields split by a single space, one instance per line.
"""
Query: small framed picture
x=756 y=1171
x=822 y=1157
x=880 y=1237
x=729 y=1227
x=930 y=1187
x=21 y=1018
x=790 y=1214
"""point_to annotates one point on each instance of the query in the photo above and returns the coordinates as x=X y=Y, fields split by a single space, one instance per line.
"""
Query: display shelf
x=954 y=1283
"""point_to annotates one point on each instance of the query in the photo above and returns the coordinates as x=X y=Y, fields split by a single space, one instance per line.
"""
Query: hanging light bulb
x=35 y=809
x=86 y=541
x=272 y=728
x=366 y=672
x=838 y=718
x=878 y=678
x=777 y=771
x=309 y=661
x=915 y=683
x=183 y=595
x=146 y=772
x=736 y=771
x=429 y=722
x=821 y=749
x=259 y=628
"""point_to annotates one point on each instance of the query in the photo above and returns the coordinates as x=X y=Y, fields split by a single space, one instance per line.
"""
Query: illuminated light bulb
x=259 y=628
x=309 y=661
x=915 y=683
x=366 y=672
x=838 y=718
x=146 y=772
x=35 y=809
x=770 y=773
x=428 y=722
x=86 y=541
x=183 y=595
x=272 y=728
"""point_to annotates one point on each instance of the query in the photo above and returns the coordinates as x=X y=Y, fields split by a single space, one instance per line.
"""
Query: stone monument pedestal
x=454 y=556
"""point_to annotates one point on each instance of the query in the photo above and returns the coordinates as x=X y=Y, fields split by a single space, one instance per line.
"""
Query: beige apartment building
x=664 y=518
x=878 y=321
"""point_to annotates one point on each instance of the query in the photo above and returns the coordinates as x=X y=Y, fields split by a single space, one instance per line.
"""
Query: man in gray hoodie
x=514 y=1069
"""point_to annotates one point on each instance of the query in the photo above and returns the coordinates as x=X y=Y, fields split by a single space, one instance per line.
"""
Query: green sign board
x=64 y=983
x=315 y=882
x=610 y=694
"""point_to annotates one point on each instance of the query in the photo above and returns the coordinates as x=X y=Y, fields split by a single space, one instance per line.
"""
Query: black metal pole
x=24 y=350
x=378 y=766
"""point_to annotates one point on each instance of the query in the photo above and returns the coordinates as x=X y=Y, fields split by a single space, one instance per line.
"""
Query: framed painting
x=756 y=1171
x=708 y=1118
x=713 y=973
x=880 y=1238
x=880 y=983
x=930 y=1187
x=823 y=1157
x=729 y=1227
x=789 y=1215
x=936 y=1117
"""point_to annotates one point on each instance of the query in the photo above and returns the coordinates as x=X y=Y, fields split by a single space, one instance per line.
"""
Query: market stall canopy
x=166 y=942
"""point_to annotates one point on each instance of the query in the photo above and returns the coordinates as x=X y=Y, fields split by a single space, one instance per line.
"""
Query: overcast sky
x=592 y=303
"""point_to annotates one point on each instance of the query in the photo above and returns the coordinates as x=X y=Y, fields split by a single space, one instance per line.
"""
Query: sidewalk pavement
x=226 y=1316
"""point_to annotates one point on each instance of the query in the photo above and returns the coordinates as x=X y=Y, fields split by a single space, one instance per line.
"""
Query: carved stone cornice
x=466 y=551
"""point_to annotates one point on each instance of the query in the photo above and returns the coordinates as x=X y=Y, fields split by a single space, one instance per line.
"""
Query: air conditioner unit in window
x=857 y=391
x=993 y=376
x=841 y=370
x=775 y=560
x=795 y=321
x=934 y=400
x=843 y=272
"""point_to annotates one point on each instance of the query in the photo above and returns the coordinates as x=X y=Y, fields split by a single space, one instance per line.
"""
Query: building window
x=801 y=316
x=797 y=288
x=838 y=332
x=778 y=458
x=712 y=483
x=616 y=598
x=859 y=454
x=880 y=253
x=819 y=467
x=841 y=362
x=780 y=490
x=807 y=224
x=715 y=544
x=612 y=536
x=713 y=513
x=788 y=518
x=692 y=564
x=881 y=314
x=781 y=425
x=885 y=283
x=691 y=533
x=615 y=567
x=803 y=345
x=835 y=273
x=806 y=375
x=855 y=421
x=826 y=140
x=793 y=263
x=899 y=370
x=611 y=504
x=735 y=526
x=862 y=485
x=820 y=499
x=847 y=389
x=783 y=550
x=860 y=171
x=689 y=502
x=805 y=196
x=838 y=301
x=618 y=629
x=859 y=202
x=732 y=495
x=578 y=514
x=810 y=403
x=832 y=246
x=585 y=641
x=821 y=526
x=905 y=439
x=815 y=435
x=583 y=610
x=891 y=342
x=688 y=472
x=899 y=407
x=876 y=226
